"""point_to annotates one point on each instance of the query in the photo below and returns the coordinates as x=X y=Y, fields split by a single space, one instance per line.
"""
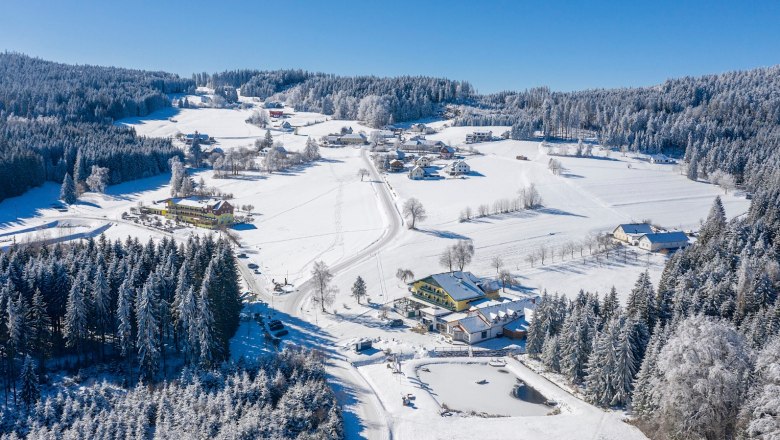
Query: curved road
x=373 y=417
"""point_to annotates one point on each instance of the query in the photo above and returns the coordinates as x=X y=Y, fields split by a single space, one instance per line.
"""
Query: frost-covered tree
x=359 y=289
x=760 y=417
x=704 y=369
x=324 y=293
x=98 y=179
x=147 y=317
x=178 y=174
x=28 y=376
x=76 y=314
x=68 y=190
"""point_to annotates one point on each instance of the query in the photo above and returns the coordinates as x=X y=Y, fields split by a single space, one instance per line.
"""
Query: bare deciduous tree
x=414 y=211
x=462 y=253
x=363 y=173
x=324 y=293
x=497 y=263
x=404 y=274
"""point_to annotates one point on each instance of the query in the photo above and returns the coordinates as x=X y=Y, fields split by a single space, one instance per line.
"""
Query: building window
x=484 y=335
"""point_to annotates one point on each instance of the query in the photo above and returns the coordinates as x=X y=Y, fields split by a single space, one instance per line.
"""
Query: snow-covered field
x=325 y=212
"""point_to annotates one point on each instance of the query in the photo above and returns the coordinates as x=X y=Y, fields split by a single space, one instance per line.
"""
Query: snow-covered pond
x=481 y=388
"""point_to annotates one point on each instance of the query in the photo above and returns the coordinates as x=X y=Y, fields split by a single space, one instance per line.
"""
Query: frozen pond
x=456 y=385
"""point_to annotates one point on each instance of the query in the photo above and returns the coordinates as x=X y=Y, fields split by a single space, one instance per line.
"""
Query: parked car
x=281 y=333
x=274 y=322
x=275 y=327
x=242 y=255
x=252 y=266
x=397 y=323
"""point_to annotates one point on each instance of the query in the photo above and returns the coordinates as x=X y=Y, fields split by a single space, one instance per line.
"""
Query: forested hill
x=377 y=101
x=54 y=115
x=31 y=87
x=728 y=121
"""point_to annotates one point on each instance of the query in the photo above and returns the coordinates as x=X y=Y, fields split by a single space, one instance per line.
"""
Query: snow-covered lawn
x=325 y=212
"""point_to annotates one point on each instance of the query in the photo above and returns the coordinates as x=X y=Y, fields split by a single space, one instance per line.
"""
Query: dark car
x=281 y=333
x=274 y=322
x=275 y=327
x=252 y=266
x=242 y=255
x=397 y=323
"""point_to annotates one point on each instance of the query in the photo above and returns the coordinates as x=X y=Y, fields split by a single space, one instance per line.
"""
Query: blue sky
x=497 y=45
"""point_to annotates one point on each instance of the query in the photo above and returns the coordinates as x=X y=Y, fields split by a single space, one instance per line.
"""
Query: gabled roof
x=665 y=237
x=473 y=324
x=511 y=308
x=635 y=228
x=460 y=286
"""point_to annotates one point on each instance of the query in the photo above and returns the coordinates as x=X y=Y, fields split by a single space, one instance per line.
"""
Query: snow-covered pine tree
x=359 y=289
x=68 y=192
x=147 y=309
x=77 y=313
x=30 y=391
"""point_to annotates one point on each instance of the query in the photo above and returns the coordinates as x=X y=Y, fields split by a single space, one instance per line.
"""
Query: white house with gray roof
x=663 y=241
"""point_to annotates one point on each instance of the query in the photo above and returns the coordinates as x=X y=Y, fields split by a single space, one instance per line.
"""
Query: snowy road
x=365 y=416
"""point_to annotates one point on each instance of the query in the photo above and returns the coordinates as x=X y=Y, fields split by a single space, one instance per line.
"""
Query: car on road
x=281 y=333
x=252 y=266
x=242 y=255
x=275 y=325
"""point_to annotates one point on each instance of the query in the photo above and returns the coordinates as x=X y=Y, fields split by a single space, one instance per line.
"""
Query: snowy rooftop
x=473 y=324
x=636 y=228
x=460 y=286
x=666 y=237
x=196 y=202
x=500 y=310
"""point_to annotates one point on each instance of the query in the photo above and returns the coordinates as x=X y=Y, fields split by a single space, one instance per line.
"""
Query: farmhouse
x=494 y=319
x=663 y=241
x=452 y=290
x=446 y=152
x=479 y=136
x=661 y=158
x=353 y=139
x=417 y=173
x=203 y=212
x=396 y=166
x=631 y=232
x=276 y=113
x=458 y=167
x=201 y=137
x=423 y=161
x=285 y=126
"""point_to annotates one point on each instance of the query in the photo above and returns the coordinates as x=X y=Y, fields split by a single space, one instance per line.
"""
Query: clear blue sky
x=494 y=45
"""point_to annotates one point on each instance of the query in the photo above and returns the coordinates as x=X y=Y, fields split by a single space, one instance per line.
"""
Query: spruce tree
x=148 y=344
x=68 y=192
x=30 y=384
x=359 y=289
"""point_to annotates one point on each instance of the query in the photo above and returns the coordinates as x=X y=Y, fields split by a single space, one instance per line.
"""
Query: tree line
x=284 y=396
x=692 y=357
x=142 y=305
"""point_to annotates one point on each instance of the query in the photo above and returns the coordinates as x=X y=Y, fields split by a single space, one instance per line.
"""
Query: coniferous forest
x=695 y=356
x=57 y=118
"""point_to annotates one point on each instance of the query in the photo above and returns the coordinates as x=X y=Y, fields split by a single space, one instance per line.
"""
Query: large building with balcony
x=203 y=212
x=453 y=290
x=199 y=211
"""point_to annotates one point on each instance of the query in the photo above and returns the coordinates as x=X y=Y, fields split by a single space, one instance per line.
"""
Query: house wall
x=436 y=295
x=647 y=245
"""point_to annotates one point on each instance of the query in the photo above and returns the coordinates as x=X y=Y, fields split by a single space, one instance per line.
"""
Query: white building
x=631 y=232
x=663 y=241
x=661 y=158
x=458 y=167
x=479 y=136
x=487 y=320
x=423 y=161
x=417 y=173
